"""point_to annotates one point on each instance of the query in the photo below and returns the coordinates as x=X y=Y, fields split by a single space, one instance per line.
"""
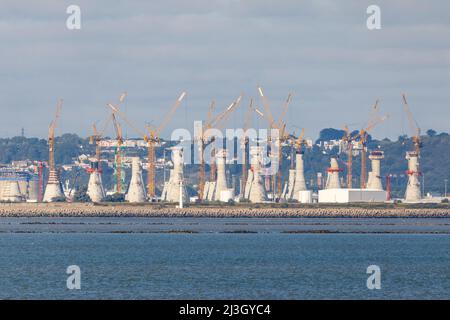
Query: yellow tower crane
x=245 y=144
x=279 y=125
x=151 y=138
x=349 y=138
x=414 y=126
x=51 y=137
x=374 y=120
x=204 y=139
x=119 y=138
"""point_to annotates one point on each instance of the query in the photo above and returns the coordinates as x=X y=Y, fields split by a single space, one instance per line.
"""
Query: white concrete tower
x=257 y=192
x=333 y=175
x=413 y=193
x=374 y=180
x=299 y=182
x=176 y=175
x=95 y=186
x=290 y=185
x=221 y=182
x=53 y=188
x=136 y=189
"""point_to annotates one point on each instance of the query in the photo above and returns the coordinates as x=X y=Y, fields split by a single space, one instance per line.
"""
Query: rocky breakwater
x=155 y=210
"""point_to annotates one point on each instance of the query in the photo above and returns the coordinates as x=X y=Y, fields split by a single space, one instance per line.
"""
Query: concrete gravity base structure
x=136 y=189
x=10 y=192
x=95 y=186
x=333 y=175
x=54 y=188
x=351 y=195
x=374 y=180
x=254 y=189
x=296 y=180
x=171 y=191
x=218 y=190
x=413 y=193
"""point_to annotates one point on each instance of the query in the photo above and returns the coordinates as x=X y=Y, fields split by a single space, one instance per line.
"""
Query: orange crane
x=118 y=162
x=119 y=138
x=212 y=122
x=245 y=144
x=300 y=141
x=349 y=138
x=413 y=125
x=201 y=141
x=374 y=120
x=51 y=137
x=151 y=138
x=95 y=139
x=279 y=125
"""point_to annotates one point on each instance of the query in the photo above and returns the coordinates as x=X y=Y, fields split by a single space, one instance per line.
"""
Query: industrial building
x=16 y=186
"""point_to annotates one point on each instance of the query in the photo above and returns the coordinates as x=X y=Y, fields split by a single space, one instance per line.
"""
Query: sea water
x=206 y=258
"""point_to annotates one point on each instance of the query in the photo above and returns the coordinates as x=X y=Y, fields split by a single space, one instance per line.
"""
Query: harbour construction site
x=260 y=187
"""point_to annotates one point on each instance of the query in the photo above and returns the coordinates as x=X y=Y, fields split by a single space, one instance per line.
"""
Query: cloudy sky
x=319 y=50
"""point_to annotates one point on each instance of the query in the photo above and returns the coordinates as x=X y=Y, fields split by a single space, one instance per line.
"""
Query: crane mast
x=413 y=125
x=212 y=122
x=51 y=137
x=374 y=120
x=151 y=138
x=279 y=125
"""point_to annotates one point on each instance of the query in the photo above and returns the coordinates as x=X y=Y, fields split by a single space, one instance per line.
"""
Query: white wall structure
x=53 y=188
x=33 y=190
x=136 y=189
x=256 y=191
x=11 y=191
x=374 y=181
x=95 y=186
x=413 y=193
x=333 y=175
x=305 y=196
x=226 y=195
x=172 y=193
x=351 y=195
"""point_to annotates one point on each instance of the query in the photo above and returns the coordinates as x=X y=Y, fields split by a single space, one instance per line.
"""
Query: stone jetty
x=267 y=211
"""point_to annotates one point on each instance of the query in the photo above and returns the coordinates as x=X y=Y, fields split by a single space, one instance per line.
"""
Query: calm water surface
x=201 y=258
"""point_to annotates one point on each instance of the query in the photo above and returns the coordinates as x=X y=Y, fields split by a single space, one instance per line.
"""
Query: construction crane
x=151 y=138
x=279 y=125
x=413 y=126
x=119 y=138
x=349 y=138
x=299 y=142
x=118 y=155
x=201 y=142
x=245 y=144
x=51 y=137
x=96 y=139
x=374 y=120
x=205 y=139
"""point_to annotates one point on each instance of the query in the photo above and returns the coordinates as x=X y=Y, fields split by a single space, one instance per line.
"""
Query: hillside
x=434 y=162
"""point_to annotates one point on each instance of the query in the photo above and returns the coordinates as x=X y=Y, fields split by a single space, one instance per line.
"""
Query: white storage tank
x=305 y=196
x=226 y=195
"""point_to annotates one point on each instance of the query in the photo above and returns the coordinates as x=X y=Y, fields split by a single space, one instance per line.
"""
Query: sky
x=321 y=51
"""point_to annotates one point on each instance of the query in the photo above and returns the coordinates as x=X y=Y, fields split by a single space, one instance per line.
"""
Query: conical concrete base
x=54 y=188
x=299 y=184
x=95 y=187
x=11 y=192
x=136 y=190
x=413 y=193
